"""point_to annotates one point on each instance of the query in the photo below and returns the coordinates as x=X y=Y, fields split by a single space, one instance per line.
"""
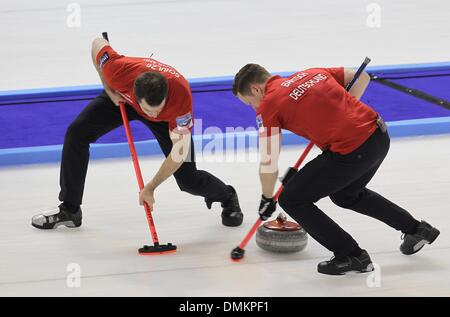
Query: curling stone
x=281 y=236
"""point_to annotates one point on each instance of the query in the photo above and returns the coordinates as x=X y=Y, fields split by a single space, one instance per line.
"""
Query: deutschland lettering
x=303 y=87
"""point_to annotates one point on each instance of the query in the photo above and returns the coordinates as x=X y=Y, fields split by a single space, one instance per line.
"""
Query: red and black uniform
x=120 y=72
x=314 y=104
x=102 y=116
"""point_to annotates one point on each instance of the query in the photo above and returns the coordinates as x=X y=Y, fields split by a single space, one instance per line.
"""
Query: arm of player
x=97 y=45
x=177 y=156
x=361 y=83
x=269 y=147
x=268 y=181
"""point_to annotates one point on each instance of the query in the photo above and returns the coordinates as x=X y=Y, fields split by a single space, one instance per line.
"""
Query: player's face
x=152 y=111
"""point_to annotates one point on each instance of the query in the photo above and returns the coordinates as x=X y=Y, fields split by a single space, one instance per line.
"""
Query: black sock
x=413 y=229
x=231 y=192
x=72 y=208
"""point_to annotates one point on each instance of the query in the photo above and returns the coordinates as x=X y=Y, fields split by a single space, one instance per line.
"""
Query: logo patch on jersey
x=185 y=122
x=259 y=121
x=103 y=59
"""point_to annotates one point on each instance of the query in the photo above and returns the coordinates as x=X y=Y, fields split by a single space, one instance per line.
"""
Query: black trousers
x=102 y=116
x=343 y=178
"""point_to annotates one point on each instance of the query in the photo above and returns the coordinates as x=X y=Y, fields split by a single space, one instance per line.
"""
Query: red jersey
x=120 y=72
x=314 y=104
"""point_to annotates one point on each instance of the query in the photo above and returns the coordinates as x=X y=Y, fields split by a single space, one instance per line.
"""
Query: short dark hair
x=247 y=75
x=152 y=87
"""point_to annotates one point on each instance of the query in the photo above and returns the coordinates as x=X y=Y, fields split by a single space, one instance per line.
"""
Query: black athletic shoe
x=232 y=215
x=425 y=234
x=361 y=264
x=57 y=217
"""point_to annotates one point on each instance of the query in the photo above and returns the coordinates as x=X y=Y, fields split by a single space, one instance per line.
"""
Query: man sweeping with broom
x=160 y=97
x=315 y=104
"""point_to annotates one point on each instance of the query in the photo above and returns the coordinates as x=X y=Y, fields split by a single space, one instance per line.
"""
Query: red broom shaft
x=137 y=170
x=280 y=189
x=250 y=234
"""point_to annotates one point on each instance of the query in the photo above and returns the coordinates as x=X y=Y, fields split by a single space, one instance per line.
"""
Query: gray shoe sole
x=419 y=245
x=68 y=224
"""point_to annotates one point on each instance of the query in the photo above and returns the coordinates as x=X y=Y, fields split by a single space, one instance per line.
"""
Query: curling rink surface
x=34 y=262
x=205 y=38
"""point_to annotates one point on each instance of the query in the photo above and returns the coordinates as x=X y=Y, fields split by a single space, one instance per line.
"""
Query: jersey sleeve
x=113 y=68
x=337 y=73
x=182 y=120
x=268 y=126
